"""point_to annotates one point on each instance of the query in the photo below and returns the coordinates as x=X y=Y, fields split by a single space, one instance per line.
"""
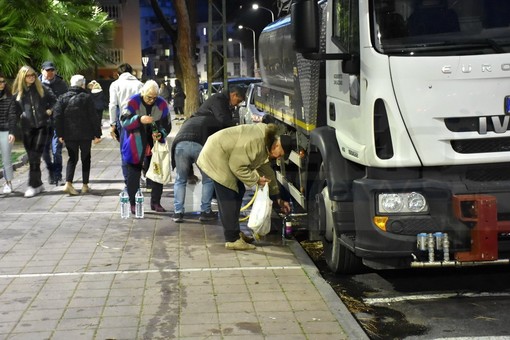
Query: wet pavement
x=71 y=268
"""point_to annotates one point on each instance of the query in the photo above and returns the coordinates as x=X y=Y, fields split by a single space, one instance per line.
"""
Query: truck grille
x=481 y=145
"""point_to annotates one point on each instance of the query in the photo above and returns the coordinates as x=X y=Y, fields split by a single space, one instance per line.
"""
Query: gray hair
x=78 y=80
x=150 y=86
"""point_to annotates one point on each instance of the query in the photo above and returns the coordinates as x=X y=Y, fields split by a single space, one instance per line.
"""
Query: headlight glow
x=394 y=203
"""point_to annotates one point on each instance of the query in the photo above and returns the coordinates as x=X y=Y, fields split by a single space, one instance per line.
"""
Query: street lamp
x=145 y=61
x=254 y=49
x=256 y=6
x=240 y=56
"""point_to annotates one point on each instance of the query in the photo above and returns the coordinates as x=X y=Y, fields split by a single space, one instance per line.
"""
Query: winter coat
x=32 y=107
x=179 y=97
x=57 y=85
x=238 y=153
x=75 y=116
x=130 y=121
x=99 y=100
x=120 y=92
x=218 y=105
x=195 y=129
x=8 y=117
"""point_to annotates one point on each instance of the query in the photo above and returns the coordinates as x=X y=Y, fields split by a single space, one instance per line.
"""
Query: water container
x=124 y=205
x=139 y=204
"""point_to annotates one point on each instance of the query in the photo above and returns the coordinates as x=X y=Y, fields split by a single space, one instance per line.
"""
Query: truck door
x=343 y=77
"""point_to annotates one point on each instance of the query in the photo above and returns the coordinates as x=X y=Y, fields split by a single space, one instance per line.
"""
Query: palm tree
x=74 y=34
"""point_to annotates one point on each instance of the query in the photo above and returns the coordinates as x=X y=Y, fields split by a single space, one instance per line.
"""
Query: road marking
x=395 y=299
x=147 y=271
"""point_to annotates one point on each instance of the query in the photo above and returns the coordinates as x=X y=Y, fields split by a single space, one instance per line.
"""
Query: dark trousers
x=74 y=149
x=229 y=205
x=179 y=110
x=34 y=141
x=134 y=172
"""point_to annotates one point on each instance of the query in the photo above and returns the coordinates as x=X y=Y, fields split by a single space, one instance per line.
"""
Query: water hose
x=249 y=204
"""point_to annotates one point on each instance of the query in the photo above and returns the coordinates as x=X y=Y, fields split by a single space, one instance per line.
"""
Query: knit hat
x=95 y=87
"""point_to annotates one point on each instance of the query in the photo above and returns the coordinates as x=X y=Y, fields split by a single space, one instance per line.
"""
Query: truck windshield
x=441 y=27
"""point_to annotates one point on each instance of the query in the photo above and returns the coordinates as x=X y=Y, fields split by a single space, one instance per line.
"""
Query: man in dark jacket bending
x=185 y=150
x=77 y=125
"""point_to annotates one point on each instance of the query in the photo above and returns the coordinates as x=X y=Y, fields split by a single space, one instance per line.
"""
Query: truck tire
x=339 y=258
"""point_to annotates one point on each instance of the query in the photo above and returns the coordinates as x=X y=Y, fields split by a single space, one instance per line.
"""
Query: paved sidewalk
x=71 y=268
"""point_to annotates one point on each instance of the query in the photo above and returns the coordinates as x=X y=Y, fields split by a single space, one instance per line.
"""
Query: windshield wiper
x=443 y=46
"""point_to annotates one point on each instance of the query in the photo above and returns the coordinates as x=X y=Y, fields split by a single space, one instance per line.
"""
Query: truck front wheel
x=339 y=258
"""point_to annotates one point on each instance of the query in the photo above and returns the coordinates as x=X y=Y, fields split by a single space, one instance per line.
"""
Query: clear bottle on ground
x=124 y=205
x=139 y=211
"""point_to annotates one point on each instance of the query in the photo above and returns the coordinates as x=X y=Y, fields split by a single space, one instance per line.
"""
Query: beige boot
x=240 y=244
x=85 y=189
x=70 y=189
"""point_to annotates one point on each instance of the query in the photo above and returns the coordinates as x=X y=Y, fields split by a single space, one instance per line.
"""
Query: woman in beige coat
x=239 y=156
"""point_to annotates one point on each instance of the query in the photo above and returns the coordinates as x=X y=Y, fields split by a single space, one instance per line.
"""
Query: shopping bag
x=260 y=216
x=159 y=168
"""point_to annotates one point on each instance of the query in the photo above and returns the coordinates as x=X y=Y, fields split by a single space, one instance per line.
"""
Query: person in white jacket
x=120 y=92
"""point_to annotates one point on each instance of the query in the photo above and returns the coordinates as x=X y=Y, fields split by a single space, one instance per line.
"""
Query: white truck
x=399 y=111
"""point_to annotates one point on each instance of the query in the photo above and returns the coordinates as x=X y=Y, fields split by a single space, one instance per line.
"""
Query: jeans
x=186 y=153
x=52 y=154
x=5 y=149
x=74 y=148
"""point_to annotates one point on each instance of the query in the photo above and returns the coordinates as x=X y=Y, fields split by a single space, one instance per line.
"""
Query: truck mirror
x=305 y=25
x=351 y=66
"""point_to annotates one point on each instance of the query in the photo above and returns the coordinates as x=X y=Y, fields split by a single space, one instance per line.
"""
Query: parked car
x=217 y=86
x=248 y=113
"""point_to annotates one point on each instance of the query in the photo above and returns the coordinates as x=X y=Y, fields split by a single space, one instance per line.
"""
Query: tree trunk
x=186 y=55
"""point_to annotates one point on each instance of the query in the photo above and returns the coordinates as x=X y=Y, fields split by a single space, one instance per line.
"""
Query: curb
x=349 y=324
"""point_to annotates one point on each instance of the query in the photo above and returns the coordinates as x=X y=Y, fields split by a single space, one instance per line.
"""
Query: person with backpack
x=77 y=124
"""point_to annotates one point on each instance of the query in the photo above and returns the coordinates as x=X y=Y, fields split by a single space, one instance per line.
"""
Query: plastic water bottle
x=139 y=204
x=124 y=205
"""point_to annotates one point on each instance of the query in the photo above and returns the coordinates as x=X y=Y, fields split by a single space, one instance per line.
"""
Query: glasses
x=150 y=98
x=2 y=81
x=30 y=75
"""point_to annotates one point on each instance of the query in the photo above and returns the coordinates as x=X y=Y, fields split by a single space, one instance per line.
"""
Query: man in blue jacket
x=52 y=154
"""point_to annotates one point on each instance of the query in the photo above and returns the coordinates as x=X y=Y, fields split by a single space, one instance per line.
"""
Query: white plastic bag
x=159 y=169
x=260 y=216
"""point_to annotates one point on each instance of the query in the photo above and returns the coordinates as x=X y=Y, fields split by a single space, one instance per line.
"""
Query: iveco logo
x=499 y=126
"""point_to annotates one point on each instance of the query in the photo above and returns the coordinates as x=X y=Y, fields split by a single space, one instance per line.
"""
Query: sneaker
x=85 y=189
x=178 y=217
x=68 y=188
x=210 y=215
x=39 y=189
x=31 y=192
x=58 y=179
x=239 y=245
x=7 y=188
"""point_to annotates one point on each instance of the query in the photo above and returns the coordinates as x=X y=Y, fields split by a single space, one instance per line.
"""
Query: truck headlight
x=411 y=202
